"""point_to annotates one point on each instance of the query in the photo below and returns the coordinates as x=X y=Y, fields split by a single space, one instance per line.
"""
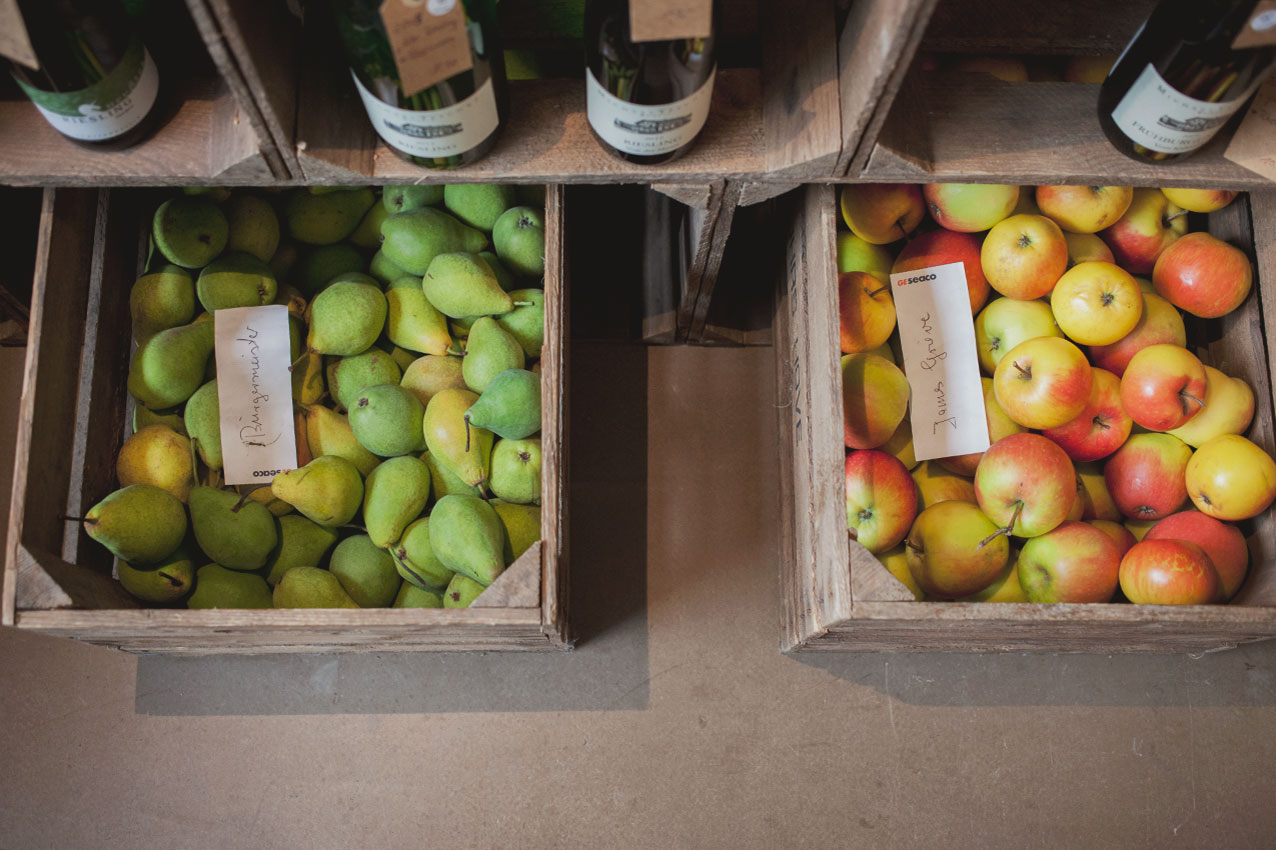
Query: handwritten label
x=14 y=41
x=937 y=337
x=666 y=20
x=1254 y=145
x=429 y=40
x=254 y=393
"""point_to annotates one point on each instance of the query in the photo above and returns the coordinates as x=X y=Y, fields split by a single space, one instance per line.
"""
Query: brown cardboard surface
x=675 y=723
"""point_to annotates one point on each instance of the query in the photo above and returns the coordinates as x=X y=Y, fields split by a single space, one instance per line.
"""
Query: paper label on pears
x=937 y=337
x=254 y=393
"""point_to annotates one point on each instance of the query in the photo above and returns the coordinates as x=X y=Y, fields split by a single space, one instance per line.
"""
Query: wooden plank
x=875 y=50
x=664 y=266
x=976 y=128
x=871 y=581
x=518 y=587
x=700 y=289
x=756 y=193
x=696 y=195
x=801 y=113
x=1074 y=28
x=555 y=416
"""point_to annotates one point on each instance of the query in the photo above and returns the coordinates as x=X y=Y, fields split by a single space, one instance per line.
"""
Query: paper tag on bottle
x=937 y=337
x=1260 y=29
x=1254 y=144
x=666 y=20
x=429 y=39
x=14 y=41
x=254 y=393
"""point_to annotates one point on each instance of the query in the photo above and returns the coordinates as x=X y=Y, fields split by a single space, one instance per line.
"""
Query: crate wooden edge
x=38 y=573
x=815 y=613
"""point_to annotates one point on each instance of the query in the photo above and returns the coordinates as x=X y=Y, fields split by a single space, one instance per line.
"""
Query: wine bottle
x=93 y=78
x=1187 y=70
x=646 y=100
x=431 y=75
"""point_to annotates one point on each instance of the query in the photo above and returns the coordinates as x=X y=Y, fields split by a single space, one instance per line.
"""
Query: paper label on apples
x=254 y=393
x=937 y=337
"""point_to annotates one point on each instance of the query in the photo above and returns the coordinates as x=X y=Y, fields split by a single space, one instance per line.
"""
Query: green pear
x=235 y=280
x=489 y=351
x=302 y=543
x=366 y=571
x=522 y=527
x=478 y=204
x=411 y=596
x=432 y=374
x=516 y=471
x=319 y=266
x=157 y=455
x=519 y=237
x=161 y=300
x=218 y=587
x=347 y=317
x=510 y=405
x=384 y=269
x=311 y=587
x=465 y=450
x=285 y=259
x=467 y=537
x=168 y=581
x=506 y=278
x=235 y=532
x=411 y=240
x=350 y=376
x=203 y=417
x=412 y=321
x=461 y=284
x=395 y=494
x=526 y=322
x=414 y=558
x=444 y=481
x=326 y=218
x=328 y=490
x=218 y=194
x=461 y=327
x=387 y=420
x=265 y=497
x=461 y=591
x=404 y=198
x=307 y=378
x=190 y=231
x=169 y=366
x=368 y=233
x=329 y=433
x=143 y=416
x=253 y=226
x=141 y=524
x=403 y=358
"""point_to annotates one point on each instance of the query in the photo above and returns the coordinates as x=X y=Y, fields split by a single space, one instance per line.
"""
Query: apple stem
x=1193 y=398
x=908 y=544
x=1007 y=530
x=879 y=291
x=1098 y=420
x=1026 y=373
x=1178 y=214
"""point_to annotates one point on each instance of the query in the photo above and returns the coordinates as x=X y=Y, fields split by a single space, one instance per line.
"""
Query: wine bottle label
x=429 y=40
x=646 y=129
x=1260 y=29
x=667 y=20
x=108 y=108
x=1159 y=117
x=448 y=131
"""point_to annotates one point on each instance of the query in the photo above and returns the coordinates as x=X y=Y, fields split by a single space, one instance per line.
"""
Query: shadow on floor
x=607 y=671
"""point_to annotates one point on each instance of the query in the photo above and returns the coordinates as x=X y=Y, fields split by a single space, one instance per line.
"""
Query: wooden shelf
x=1068 y=27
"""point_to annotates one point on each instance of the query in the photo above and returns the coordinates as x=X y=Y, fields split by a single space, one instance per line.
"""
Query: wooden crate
x=212 y=131
x=73 y=420
x=837 y=596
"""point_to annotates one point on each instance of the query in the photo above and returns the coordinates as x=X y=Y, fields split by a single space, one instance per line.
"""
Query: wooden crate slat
x=1077 y=27
x=801 y=112
x=555 y=588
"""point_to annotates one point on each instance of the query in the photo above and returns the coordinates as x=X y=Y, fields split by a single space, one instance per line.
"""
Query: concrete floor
x=676 y=723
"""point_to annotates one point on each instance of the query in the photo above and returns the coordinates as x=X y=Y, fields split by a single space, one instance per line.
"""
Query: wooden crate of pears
x=428 y=344
x=1131 y=422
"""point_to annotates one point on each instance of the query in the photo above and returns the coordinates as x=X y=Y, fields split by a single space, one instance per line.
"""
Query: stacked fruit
x=416 y=385
x=1103 y=425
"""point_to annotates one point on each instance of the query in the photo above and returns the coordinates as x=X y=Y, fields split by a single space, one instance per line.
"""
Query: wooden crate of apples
x=417 y=321
x=1117 y=467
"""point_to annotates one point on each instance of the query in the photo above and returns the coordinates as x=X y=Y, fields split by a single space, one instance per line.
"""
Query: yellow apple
x=1022 y=256
x=856 y=255
x=1229 y=408
x=896 y=562
x=1230 y=478
x=1094 y=491
x=1005 y=323
x=1088 y=69
x=936 y=484
x=881 y=213
x=1086 y=248
x=1200 y=200
x=1096 y=303
x=1139 y=527
x=866 y=311
x=900 y=445
x=1084 y=209
x=1005 y=589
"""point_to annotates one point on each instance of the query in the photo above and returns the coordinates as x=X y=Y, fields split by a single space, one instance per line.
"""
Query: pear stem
x=455 y=352
x=84 y=520
x=194 y=462
x=466 y=417
x=240 y=503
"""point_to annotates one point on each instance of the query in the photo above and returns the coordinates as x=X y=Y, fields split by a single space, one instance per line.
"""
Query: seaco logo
x=919 y=279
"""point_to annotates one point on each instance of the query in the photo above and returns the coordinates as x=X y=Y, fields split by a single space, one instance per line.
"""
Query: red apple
x=1022 y=256
x=1203 y=275
x=1096 y=303
x=1075 y=562
x=881 y=213
x=1149 y=226
x=881 y=500
x=1084 y=209
x=954 y=550
x=1231 y=478
x=1168 y=572
x=1159 y=323
x=1222 y=542
x=1147 y=476
x=1087 y=248
x=999 y=425
x=1200 y=200
x=1119 y=533
x=969 y=207
x=1163 y=387
x=866 y=311
x=1101 y=427
x=874 y=400
x=1026 y=484
x=941 y=247
x=1044 y=382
